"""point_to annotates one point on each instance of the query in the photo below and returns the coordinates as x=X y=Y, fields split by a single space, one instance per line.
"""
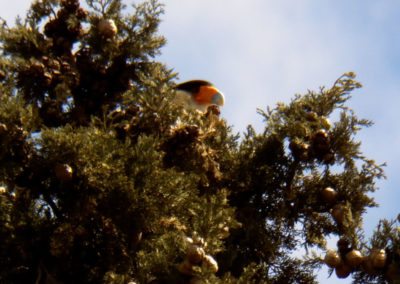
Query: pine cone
x=81 y=14
x=70 y=5
x=107 y=28
x=2 y=75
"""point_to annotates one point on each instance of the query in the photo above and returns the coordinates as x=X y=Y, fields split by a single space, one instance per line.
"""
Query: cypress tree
x=103 y=179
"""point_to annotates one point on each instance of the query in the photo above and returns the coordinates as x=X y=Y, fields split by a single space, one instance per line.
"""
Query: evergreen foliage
x=104 y=180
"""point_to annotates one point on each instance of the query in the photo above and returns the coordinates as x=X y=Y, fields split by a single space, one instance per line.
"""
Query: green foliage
x=104 y=180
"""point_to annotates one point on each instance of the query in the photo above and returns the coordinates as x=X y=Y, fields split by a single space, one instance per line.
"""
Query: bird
x=198 y=94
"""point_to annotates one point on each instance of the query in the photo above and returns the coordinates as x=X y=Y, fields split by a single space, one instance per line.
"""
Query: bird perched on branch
x=198 y=94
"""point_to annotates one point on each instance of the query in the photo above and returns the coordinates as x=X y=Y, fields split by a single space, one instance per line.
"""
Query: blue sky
x=260 y=52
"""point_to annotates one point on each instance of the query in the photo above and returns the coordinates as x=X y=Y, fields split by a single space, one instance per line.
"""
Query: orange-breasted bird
x=198 y=94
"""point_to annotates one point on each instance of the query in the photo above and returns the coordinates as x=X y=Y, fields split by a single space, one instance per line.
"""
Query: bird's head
x=202 y=93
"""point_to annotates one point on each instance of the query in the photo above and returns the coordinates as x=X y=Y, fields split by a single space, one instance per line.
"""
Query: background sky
x=260 y=52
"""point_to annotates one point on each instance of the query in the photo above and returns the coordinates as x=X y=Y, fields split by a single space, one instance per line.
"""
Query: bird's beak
x=218 y=99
